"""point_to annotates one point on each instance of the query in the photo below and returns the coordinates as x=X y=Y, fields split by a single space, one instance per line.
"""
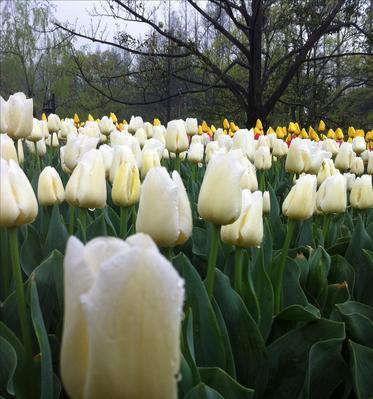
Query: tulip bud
x=126 y=186
x=326 y=170
x=350 y=180
x=225 y=142
x=54 y=123
x=18 y=116
x=3 y=124
x=321 y=127
x=148 y=129
x=135 y=123
x=249 y=179
x=262 y=158
x=107 y=153
x=298 y=158
x=44 y=128
x=7 y=148
x=18 y=203
x=37 y=132
x=76 y=148
x=358 y=145
x=164 y=209
x=195 y=152
x=159 y=134
x=332 y=195
x=150 y=160
x=155 y=145
x=121 y=155
x=266 y=203
x=280 y=148
x=196 y=139
x=129 y=286
x=86 y=187
x=132 y=143
x=361 y=196
x=301 y=200
x=357 y=166
x=141 y=136
x=50 y=187
x=344 y=157
x=330 y=146
x=247 y=230
x=219 y=198
x=263 y=141
x=106 y=125
x=176 y=136
x=90 y=129
x=191 y=126
x=316 y=160
x=244 y=140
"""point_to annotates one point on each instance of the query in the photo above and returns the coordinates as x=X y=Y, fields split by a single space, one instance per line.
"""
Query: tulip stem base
x=37 y=158
x=325 y=230
x=238 y=269
x=123 y=222
x=213 y=254
x=83 y=221
x=281 y=268
x=177 y=163
x=20 y=293
x=71 y=219
x=261 y=180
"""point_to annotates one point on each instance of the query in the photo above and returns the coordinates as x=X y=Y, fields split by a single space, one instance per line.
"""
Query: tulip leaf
x=49 y=388
x=199 y=238
x=305 y=236
x=334 y=227
x=275 y=220
x=208 y=341
x=31 y=252
x=337 y=293
x=289 y=356
x=187 y=345
x=367 y=292
x=363 y=270
x=219 y=380
x=359 y=321
x=246 y=340
x=299 y=313
x=8 y=365
x=57 y=234
x=340 y=271
x=22 y=383
x=361 y=360
x=186 y=381
x=202 y=391
x=325 y=355
x=97 y=228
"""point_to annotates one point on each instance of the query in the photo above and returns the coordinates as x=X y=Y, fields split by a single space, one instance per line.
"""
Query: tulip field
x=142 y=260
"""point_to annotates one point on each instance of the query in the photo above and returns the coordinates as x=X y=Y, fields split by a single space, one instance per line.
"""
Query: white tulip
x=191 y=125
x=18 y=116
x=135 y=123
x=54 y=123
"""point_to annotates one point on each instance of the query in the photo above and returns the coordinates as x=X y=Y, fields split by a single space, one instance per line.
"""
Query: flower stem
x=83 y=221
x=177 y=163
x=281 y=268
x=37 y=157
x=325 y=230
x=20 y=294
x=261 y=180
x=213 y=254
x=123 y=222
x=238 y=269
x=71 y=219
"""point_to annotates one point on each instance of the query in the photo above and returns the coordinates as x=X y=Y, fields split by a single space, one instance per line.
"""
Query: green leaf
x=186 y=382
x=247 y=343
x=363 y=271
x=361 y=359
x=8 y=365
x=199 y=237
x=289 y=354
x=202 y=391
x=366 y=288
x=208 y=341
x=187 y=345
x=57 y=233
x=299 y=313
x=31 y=252
x=292 y=292
x=359 y=321
x=48 y=388
x=337 y=293
x=219 y=380
x=305 y=237
x=275 y=220
x=340 y=271
x=97 y=228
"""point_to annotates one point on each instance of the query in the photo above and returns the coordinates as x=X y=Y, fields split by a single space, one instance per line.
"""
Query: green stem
x=238 y=269
x=123 y=222
x=281 y=268
x=325 y=230
x=261 y=180
x=71 y=219
x=213 y=254
x=177 y=163
x=20 y=294
x=83 y=221
x=37 y=157
x=5 y=275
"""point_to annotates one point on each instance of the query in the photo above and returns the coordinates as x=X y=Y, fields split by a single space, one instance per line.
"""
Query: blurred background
x=240 y=59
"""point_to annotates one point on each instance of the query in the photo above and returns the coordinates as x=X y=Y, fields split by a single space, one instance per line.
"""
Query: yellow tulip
x=331 y=134
x=156 y=122
x=200 y=130
x=303 y=134
x=126 y=186
x=259 y=124
x=279 y=132
x=44 y=117
x=213 y=129
x=351 y=132
x=76 y=118
x=270 y=130
x=113 y=117
x=125 y=122
x=90 y=118
x=226 y=124
x=205 y=127
x=321 y=127
x=339 y=134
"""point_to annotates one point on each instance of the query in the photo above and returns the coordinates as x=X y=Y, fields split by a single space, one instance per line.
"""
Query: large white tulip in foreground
x=123 y=309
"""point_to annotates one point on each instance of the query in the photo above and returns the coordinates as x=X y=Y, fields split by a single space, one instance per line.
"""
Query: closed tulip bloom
x=332 y=195
x=155 y=145
x=131 y=288
x=219 y=198
x=90 y=129
x=148 y=129
x=365 y=155
x=326 y=170
x=135 y=123
x=301 y=200
x=262 y=158
x=344 y=157
x=62 y=160
x=52 y=141
x=54 y=123
x=225 y=142
x=316 y=160
x=141 y=136
x=244 y=140
x=159 y=133
x=165 y=154
x=191 y=126
x=280 y=148
x=50 y=187
x=266 y=203
x=126 y=186
x=150 y=160
x=370 y=163
x=358 y=145
x=107 y=153
x=350 y=180
x=263 y=141
x=122 y=154
x=18 y=116
x=133 y=144
x=361 y=196
x=7 y=148
x=18 y=203
x=331 y=146
x=176 y=136
x=41 y=147
x=67 y=128
x=86 y=187
x=195 y=152
x=205 y=139
x=76 y=148
x=357 y=166
x=196 y=139
x=106 y=125
x=164 y=209
x=298 y=158
x=247 y=230
x=3 y=124
x=249 y=179
x=44 y=128
x=37 y=132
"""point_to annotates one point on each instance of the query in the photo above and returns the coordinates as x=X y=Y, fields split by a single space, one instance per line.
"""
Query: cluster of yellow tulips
x=119 y=293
